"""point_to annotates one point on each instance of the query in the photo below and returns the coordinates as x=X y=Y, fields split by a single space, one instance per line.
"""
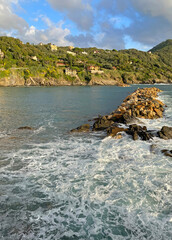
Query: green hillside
x=132 y=66
x=164 y=51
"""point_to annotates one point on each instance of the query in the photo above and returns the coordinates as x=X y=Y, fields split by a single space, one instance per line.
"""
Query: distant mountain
x=164 y=51
x=165 y=46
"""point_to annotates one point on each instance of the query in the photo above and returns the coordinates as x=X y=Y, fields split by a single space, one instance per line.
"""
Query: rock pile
x=140 y=104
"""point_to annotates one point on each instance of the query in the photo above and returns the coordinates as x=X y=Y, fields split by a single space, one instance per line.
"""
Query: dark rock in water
x=135 y=136
x=167 y=153
x=117 y=117
x=112 y=131
x=26 y=128
x=165 y=132
x=153 y=148
x=82 y=128
x=137 y=131
x=102 y=124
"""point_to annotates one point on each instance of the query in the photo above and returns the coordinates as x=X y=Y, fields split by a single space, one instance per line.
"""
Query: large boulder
x=165 y=132
x=114 y=130
x=137 y=131
x=102 y=124
x=167 y=153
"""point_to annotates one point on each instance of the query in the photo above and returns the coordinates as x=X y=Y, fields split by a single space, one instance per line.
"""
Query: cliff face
x=13 y=81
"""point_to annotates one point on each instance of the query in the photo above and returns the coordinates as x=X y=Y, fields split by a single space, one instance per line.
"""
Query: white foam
x=87 y=187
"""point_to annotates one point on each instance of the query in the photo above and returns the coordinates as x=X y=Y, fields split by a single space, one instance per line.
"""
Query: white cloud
x=8 y=20
x=13 y=25
x=54 y=33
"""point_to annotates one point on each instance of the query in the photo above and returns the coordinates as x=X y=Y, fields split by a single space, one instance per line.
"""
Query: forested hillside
x=48 y=61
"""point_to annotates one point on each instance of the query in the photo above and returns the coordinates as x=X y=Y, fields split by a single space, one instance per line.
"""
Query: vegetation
x=129 y=65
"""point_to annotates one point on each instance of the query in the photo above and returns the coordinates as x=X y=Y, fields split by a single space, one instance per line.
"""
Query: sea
x=57 y=185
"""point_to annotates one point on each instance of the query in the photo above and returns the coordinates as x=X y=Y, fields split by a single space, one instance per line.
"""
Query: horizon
x=110 y=24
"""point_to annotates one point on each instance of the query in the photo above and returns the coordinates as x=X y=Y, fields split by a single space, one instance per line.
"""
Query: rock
x=158 y=112
x=167 y=153
x=117 y=117
x=137 y=131
x=165 y=132
x=135 y=136
x=26 y=128
x=102 y=124
x=153 y=147
x=82 y=128
x=118 y=136
x=112 y=131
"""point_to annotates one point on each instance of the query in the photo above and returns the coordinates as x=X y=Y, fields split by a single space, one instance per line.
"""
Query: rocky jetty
x=142 y=103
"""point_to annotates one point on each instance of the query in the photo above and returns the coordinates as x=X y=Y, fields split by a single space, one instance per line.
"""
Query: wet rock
x=165 y=132
x=26 y=128
x=118 y=117
x=82 y=128
x=153 y=148
x=118 y=136
x=114 y=130
x=135 y=136
x=102 y=124
x=137 y=131
x=167 y=153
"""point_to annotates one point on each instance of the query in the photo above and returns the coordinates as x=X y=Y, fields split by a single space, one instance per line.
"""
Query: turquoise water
x=57 y=185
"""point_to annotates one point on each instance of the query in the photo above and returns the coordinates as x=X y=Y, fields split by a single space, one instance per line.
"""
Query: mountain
x=164 y=51
x=47 y=64
x=165 y=46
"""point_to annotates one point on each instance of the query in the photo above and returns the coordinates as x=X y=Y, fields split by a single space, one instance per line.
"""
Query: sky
x=108 y=24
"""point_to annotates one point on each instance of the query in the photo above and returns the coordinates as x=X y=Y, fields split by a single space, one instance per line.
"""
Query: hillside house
x=60 y=64
x=41 y=44
x=34 y=58
x=71 y=53
x=94 y=69
x=71 y=47
x=70 y=72
x=1 y=54
x=53 y=47
x=84 y=53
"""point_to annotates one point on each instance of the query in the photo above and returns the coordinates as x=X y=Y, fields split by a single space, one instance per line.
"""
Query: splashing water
x=54 y=185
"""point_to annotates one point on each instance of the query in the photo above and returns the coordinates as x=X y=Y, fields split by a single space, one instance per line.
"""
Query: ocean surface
x=55 y=185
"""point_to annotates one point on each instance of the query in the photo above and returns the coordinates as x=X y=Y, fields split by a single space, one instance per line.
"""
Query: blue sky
x=107 y=24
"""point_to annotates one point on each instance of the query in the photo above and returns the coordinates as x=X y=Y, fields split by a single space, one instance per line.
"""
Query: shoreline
x=86 y=85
